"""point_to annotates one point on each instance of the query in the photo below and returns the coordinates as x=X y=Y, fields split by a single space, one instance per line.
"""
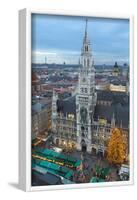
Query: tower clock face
x=83 y=115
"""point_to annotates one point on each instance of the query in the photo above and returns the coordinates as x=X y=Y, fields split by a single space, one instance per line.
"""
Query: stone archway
x=83 y=145
x=57 y=141
x=94 y=151
x=100 y=153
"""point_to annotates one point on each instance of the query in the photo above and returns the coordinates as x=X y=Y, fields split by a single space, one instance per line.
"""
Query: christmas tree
x=116 y=150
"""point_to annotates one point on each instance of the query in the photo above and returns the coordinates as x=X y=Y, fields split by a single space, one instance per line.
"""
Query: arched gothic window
x=86 y=48
x=84 y=62
x=88 y=62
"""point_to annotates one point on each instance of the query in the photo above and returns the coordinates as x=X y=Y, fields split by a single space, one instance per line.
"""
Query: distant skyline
x=59 y=39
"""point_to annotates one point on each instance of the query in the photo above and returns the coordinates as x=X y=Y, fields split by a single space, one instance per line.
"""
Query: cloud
x=44 y=53
x=56 y=55
x=59 y=38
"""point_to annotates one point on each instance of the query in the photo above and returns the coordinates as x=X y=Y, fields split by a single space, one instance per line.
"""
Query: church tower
x=86 y=96
x=54 y=110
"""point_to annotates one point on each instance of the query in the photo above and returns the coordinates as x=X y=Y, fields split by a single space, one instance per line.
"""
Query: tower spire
x=113 y=120
x=86 y=28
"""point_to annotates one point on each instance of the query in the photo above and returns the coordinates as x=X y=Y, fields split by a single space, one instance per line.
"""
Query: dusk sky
x=60 y=38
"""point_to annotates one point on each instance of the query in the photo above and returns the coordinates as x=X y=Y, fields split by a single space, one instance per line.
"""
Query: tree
x=116 y=150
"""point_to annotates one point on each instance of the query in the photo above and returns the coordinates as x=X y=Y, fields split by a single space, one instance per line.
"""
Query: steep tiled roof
x=119 y=107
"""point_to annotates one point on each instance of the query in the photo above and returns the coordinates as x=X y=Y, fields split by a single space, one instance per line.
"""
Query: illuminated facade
x=87 y=119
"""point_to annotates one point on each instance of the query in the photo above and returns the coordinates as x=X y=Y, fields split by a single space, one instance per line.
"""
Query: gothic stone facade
x=87 y=119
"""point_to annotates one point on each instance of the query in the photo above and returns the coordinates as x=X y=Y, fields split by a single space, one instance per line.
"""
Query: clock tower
x=86 y=96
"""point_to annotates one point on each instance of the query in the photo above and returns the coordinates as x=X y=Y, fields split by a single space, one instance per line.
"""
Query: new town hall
x=87 y=118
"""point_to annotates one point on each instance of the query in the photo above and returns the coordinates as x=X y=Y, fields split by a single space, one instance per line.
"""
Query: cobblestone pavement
x=92 y=160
